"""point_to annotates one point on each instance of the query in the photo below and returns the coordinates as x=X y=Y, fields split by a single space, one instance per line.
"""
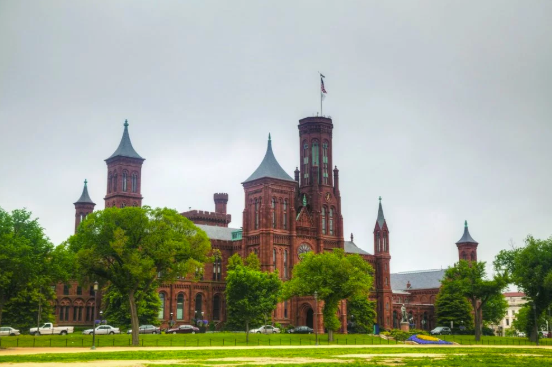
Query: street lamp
x=171 y=322
x=94 y=316
x=423 y=324
x=101 y=316
x=316 y=316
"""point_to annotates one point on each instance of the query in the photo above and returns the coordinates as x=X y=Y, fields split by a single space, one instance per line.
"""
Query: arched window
x=216 y=307
x=473 y=256
x=464 y=256
x=385 y=248
x=315 y=161
x=285 y=264
x=331 y=221
x=115 y=182
x=285 y=309
x=284 y=217
x=217 y=268
x=198 y=307
x=134 y=182
x=274 y=258
x=323 y=220
x=305 y=163
x=109 y=183
x=257 y=213
x=161 y=313
x=180 y=307
x=273 y=212
x=81 y=217
x=378 y=241
x=325 y=177
x=125 y=181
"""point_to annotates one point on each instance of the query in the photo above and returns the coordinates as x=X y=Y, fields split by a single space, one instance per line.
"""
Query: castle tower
x=269 y=215
x=124 y=175
x=317 y=183
x=467 y=246
x=217 y=218
x=83 y=206
x=383 y=271
x=220 y=202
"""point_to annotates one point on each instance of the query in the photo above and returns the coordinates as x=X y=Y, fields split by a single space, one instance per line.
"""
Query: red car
x=183 y=329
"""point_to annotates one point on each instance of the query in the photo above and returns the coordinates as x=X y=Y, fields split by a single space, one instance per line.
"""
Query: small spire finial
x=126 y=123
x=380 y=199
x=466 y=223
x=351 y=237
x=85 y=181
x=269 y=139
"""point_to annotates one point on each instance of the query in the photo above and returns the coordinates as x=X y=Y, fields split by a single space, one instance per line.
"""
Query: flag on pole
x=322 y=89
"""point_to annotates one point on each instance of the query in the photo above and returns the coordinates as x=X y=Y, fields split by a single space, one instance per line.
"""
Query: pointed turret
x=269 y=167
x=381 y=232
x=83 y=206
x=467 y=246
x=381 y=217
x=125 y=148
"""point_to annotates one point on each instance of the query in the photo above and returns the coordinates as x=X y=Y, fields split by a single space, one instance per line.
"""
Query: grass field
x=312 y=356
x=235 y=339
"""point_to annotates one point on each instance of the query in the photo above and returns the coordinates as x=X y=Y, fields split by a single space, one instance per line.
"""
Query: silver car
x=103 y=330
x=266 y=329
x=147 y=329
x=9 y=331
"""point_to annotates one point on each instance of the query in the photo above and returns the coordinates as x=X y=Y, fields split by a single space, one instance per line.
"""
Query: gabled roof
x=423 y=279
x=125 y=148
x=269 y=167
x=466 y=238
x=84 y=198
x=351 y=248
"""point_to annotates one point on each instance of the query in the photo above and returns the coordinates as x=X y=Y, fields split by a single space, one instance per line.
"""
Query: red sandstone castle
x=283 y=217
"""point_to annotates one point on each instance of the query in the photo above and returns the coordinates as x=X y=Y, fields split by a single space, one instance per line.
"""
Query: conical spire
x=269 y=167
x=381 y=218
x=466 y=237
x=125 y=148
x=85 y=198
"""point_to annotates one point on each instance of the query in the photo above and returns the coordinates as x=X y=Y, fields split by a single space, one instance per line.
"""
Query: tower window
x=217 y=267
x=331 y=221
x=325 y=176
x=274 y=258
x=378 y=242
x=285 y=264
x=134 y=182
x=273 y=213
x=305 y=164
x=115 y=182
x=180 y=307
x=109 y=183
x=124 y=181
x=323 y=220
x=315 y=161
x=284 y=216
x=257 y=213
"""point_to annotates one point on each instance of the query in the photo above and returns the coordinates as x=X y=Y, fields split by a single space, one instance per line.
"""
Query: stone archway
x=309 y=318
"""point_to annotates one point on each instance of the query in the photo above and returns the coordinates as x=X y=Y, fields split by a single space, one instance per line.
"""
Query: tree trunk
x=477 y=320
x=134 y=320
x=330 y=335
x=247 y=331
x=1 y=307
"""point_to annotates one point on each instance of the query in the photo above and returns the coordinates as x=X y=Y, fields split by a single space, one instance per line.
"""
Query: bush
x=400 y=335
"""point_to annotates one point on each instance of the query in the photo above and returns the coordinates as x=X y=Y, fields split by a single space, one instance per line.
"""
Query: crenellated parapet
x=209 y=218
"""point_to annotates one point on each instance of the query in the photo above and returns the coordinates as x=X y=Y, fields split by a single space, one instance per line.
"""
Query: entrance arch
x=310 y=318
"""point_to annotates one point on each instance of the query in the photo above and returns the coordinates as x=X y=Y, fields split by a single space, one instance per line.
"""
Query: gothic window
x=114 y=182
x=305 y=163
x=315 y=153
x=109 y=183
x=180 y=307
x=325 y=177
x=273 y=213
x=323 y=220
x=256 y=213
x=81 y=217
x=274 y=258
x=285 y=264
x=331 y=221
x=134 y=182
x=161 y=312
x=125 y=181
x=378 y=241
x=217 y=266
x=216 y=307
x=385 y=243
x=284 y=219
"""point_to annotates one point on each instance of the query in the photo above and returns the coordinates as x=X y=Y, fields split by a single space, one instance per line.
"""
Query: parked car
x=183 y=329
x=8 y=331
x=521 y=334
x=265 y=329
x=103 y=330
x=146 y=329
x=49 y=329
x=441 y=330
x=301 y=330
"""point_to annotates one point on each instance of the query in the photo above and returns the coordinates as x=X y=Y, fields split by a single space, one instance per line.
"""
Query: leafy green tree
x=452 y=306
x=335 y=276
x=117 y=306
x=495 y=309
x=530 y=268
x=250 y=293
x=525 y=320
x=362 y=313
x=132 y=248
x=469 y=279
x=29 y=265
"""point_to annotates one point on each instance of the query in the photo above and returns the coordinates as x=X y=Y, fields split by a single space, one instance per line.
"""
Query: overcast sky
x=441 y=107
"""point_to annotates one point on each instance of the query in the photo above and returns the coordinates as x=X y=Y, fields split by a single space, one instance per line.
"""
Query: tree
x=530 y=269
x=452 y=306
x=132 y=248
x=362 y=313
x=250 y=293
x=117 y=307
x=468 y=278
x=29 y=265
x=495 y=309
x=335 y=276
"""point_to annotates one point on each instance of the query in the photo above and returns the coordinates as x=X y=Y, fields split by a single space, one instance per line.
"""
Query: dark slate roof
x=84 y=198
x=351 y=248
x=269 y=167
x=423 y=279
x=381 y=218
x=125 y=148
x=466 y=238
x=217 y=233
